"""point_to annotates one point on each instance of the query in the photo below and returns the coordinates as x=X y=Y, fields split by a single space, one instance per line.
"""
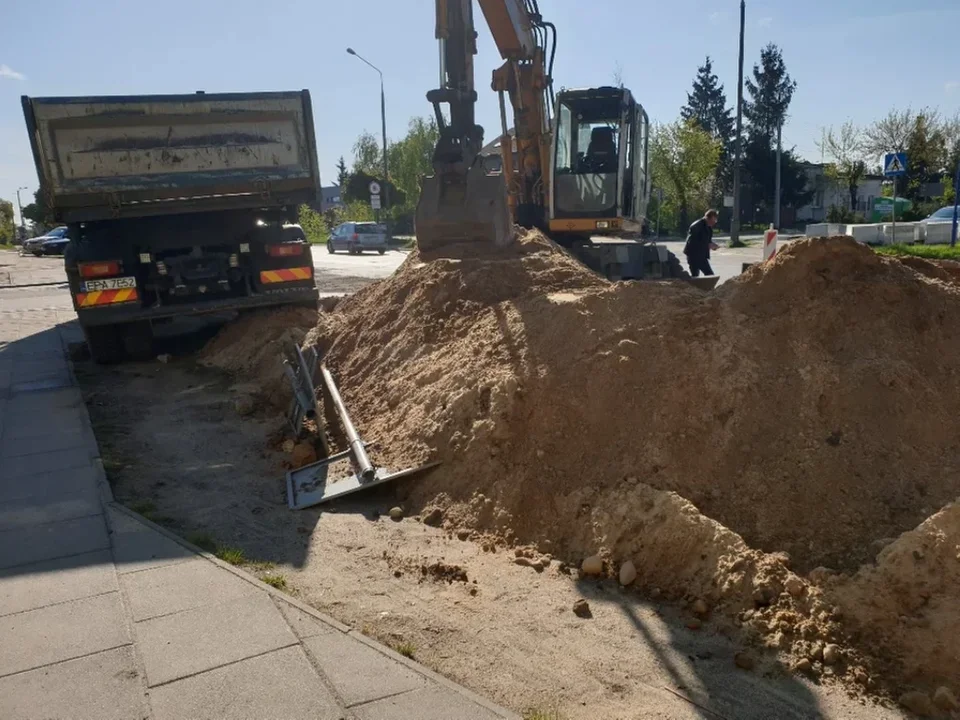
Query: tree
x=889 y=134
x=617 y=75
x=412 y=157
x=313 y=224
x=845 y=148
x=771 y=91
x=367 y=155
x=38 y=211
x=684 y=162
x=7 y=227
x=707 y=106
x=926 y=153
x=342 y=173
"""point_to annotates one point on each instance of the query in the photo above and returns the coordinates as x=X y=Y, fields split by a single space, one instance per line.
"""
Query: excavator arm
x=461 y=202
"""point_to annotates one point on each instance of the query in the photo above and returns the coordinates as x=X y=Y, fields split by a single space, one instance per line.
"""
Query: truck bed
x=129 y=156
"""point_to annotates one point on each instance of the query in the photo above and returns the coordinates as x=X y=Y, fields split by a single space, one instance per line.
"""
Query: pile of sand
x=800 y=416
x=251 y=350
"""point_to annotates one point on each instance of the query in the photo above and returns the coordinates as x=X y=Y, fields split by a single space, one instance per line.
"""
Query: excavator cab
x=600 y=177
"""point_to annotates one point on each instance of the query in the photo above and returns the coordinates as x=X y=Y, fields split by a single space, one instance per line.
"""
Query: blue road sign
x=895 y=164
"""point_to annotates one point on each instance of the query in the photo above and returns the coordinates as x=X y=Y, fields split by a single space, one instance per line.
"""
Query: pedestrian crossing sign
x=895 y=164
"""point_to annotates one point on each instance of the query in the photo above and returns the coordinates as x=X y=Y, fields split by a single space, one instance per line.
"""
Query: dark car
x=35 y=245
x=54 y=245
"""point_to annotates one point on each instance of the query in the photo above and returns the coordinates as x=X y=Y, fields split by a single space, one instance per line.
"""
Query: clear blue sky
x=852 y=59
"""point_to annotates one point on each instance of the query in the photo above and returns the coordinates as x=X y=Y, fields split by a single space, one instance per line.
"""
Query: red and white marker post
x=769 y=243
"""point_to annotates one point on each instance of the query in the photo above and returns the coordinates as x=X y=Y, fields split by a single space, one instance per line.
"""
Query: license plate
x=120 y=283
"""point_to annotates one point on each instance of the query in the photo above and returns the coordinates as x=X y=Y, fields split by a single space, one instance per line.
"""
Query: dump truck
x=176 y=205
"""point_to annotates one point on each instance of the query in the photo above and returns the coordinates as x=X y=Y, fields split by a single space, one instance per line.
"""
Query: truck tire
x=138 y=340
x=104 y=343
x=330 y=248
x=382 y=252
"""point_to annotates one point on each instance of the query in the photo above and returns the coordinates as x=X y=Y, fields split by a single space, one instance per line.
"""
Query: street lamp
x=23 y=227
x=383 y=123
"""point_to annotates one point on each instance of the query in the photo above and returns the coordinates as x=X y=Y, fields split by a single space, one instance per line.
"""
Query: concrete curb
x=317 y=615
x=109 y=503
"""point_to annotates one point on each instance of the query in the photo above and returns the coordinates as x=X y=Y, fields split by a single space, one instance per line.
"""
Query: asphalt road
x=340 y=273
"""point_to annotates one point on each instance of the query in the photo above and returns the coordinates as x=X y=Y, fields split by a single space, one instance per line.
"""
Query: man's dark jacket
x=698 y=242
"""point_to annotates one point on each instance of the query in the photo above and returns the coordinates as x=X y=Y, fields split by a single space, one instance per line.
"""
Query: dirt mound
x=906 y=608
x=250 y=348
x=807 y=406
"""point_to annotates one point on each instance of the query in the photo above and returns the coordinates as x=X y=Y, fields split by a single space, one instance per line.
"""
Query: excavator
x=575 y=166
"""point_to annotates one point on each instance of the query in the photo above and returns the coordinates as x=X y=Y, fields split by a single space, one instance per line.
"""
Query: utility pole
x=383 y=125
x=776 y=192
x=23 y=226
x=735 y=224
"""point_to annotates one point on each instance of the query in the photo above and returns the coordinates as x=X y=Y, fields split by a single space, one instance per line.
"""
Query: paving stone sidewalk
x=106 y=617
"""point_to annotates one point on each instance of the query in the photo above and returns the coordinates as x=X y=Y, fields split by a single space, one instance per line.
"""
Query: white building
x=829 y=192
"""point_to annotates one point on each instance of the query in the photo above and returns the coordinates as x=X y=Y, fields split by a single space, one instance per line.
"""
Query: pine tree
x=771 y=91
x=707 y=105
x=342 y=174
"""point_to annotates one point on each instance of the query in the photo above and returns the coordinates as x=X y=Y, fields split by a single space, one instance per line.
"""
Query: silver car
x=355 y=237
x=936 y=229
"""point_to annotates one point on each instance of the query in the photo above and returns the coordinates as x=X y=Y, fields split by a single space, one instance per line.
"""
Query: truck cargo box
x=130 y=156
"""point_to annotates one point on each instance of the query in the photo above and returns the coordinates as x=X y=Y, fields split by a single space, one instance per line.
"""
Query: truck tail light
x=105 y=268
x=286 y=250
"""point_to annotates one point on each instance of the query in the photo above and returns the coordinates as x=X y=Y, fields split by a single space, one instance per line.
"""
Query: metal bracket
x=311 y=484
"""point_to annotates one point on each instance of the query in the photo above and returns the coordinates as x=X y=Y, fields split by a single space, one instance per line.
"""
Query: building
x=828 y=193
x=330 y=198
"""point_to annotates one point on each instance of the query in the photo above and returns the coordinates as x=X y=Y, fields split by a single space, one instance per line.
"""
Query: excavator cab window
x=589 y=132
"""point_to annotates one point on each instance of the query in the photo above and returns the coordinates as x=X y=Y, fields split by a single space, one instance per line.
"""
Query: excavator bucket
x=469 y=208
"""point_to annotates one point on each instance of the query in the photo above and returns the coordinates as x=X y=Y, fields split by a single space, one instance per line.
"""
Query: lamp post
x=383 y=124
x=735 y=223
x=23 y=227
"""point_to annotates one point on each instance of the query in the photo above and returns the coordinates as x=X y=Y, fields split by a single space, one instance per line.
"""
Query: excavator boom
x=461 y=202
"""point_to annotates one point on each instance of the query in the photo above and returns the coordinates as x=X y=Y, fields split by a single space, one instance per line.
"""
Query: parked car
x=355 y=237
x=54 y=245
x=35 y=245
x=935 y=229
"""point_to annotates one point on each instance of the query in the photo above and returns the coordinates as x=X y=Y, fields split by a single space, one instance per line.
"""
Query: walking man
x=700 y=243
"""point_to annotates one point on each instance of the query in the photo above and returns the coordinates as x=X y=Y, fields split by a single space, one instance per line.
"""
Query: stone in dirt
x=463 y=535
x=744 y=661
x=581 y=608
x=592 y=565
x=303 y=453
x=831 y=654
x=528 y=562
x=244 y=405
x=396 y=514
x=628 y=573
x=803 y=665
x=433 y=517
x=918 y=703
x=794 y=586
x=944 y=699
x=288 y=445
x=700 y=607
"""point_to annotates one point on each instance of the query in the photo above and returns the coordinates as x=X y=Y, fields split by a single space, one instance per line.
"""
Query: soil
x=469 y=612
x=728 y=444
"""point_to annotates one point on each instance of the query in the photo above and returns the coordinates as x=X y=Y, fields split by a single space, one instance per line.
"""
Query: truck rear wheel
x=138 y=340
x=104 y=343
